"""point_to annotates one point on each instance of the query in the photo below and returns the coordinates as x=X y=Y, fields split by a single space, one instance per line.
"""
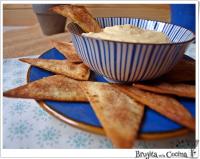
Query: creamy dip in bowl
x=129 y=53
x=129 y=33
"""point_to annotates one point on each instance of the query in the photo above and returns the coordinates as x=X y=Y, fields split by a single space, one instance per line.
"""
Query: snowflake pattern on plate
x=19 y=130
x=19 y=108
x=40 y=114
x=5 y=62
x=145 y=145
x=105 y=143
x=5 y=79
x=6 y=83
x=184 y=143
x=18 y=81
x=49 y=136
x=19 y=72
x=80 y=140
x=24 y=147
x=5 y=121
x=63 y=124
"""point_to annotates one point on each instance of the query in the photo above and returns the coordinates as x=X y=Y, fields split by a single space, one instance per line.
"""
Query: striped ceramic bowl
x=129 y=62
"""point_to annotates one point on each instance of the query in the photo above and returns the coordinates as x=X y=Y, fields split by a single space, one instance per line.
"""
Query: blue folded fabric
x=183 y=15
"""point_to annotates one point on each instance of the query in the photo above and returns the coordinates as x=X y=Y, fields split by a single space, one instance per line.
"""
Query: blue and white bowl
x=130 y=62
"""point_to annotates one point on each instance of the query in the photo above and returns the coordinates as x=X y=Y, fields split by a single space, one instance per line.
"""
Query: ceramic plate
x=154 y=125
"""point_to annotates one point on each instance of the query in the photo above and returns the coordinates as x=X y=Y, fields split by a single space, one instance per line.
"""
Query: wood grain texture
x=29 y=41
x=19 y=17
x=22 y=14
x=17 y=6
x=159 y=12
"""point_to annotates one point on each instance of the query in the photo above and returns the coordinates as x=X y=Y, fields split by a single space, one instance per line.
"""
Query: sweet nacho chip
x=164 y=105
x=184 y=71
x=57 y=88
x=119 y=115
x=68 y=50
x=79 y=15
x=179 y=89
x=77 y=71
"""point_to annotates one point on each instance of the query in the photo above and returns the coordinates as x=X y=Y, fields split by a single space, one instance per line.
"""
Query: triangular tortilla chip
x=68 y=50
x=164 y=105
x=79 y=15
x=179 y=89
x=119 y=115
x=57 y=88
x=184 y=71
x=64 y=67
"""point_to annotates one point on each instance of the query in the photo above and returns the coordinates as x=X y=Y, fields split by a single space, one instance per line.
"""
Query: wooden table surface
x=29 y=41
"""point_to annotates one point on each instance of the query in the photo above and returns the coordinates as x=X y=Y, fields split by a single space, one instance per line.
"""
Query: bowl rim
x=138 y=43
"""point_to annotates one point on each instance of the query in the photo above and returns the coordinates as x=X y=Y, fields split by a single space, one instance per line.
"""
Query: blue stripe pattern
x=130 y=62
